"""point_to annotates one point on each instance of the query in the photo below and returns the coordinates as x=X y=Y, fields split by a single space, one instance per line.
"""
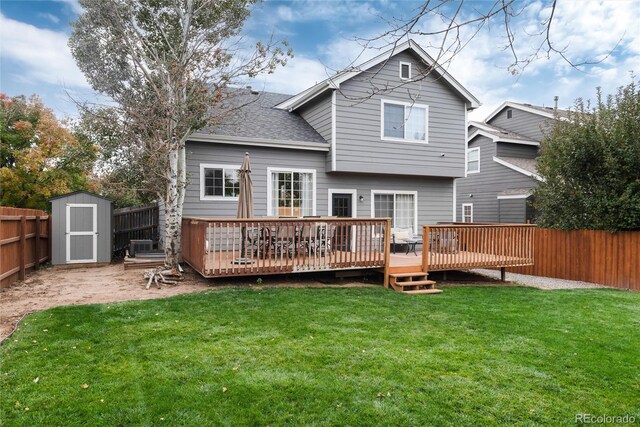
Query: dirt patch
x=57 y=286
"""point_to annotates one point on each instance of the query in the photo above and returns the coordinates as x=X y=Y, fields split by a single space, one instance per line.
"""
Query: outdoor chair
x=404 y=237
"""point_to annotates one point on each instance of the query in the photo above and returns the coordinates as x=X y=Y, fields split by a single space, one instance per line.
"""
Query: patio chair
x=405 y=237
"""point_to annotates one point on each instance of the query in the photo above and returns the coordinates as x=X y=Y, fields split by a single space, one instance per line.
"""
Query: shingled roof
x=255 y=117
x=499 y=133
x=528 y=165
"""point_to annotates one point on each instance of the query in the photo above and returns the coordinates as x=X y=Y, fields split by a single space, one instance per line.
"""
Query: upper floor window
x=509 y=114
x=404 y=121
x=473 y=160
x=219 y=182
x=405 y=70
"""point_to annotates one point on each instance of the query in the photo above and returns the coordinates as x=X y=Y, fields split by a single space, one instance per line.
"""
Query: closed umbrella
x=245 y=203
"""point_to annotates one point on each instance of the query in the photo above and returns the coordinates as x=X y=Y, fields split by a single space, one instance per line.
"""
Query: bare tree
x=449 y=26
x=166 y=65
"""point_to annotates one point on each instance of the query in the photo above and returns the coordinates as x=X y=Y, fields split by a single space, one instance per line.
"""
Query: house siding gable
x=522 y=122
x=318 y=115
x=482 y=188
x=516 y=150
x=359 y=146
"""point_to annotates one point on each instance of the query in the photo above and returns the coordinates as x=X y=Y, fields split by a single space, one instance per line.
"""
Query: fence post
x=425 y=248
x=23 y=246
x=50 y=239
x=36 y=244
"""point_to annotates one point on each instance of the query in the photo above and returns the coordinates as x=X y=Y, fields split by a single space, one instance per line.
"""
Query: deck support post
x=387 y=251
x=502 y=274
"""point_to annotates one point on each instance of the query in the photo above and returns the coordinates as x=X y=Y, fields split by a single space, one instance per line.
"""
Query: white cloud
x=51 y=17
x=44 y=54
x=299 y=74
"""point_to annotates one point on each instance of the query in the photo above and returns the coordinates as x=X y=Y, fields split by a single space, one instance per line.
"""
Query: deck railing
x=450 y=247
x=239 y=247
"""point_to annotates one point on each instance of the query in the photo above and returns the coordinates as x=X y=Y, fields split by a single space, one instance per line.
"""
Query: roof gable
x=547 y=112
x=334 y=82
x=497 y=134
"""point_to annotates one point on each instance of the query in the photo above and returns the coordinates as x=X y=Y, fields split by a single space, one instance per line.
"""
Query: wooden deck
x=233 y=247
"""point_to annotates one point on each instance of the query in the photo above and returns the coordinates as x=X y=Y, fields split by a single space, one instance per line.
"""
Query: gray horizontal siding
x=522 y=122
x=318 y=115
x=435 y=195
x=482 y=188
x=516 y=150
x=359 y=147
x=513 y=211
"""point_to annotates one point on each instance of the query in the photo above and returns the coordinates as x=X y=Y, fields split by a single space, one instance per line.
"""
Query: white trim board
x=222 y=198
x=334 y=146
x=259 y=142
x=517 y=168
x=270 y=170
x=70 y=233
x=496 y=138
x=514 y=196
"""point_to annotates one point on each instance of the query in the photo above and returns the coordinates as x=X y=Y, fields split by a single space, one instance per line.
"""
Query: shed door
x=82 y=233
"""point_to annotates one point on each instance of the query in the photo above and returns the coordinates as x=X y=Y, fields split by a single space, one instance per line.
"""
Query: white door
x=82 y=233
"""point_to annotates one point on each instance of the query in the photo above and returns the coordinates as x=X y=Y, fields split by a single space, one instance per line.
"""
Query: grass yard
x=328 y=356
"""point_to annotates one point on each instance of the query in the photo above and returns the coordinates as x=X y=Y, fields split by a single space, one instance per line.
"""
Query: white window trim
x=514 y=196
x=468 y=151
x=405 y=104
x=415 y=204
x=463 y=216
x=222 y=198
x=354 y=200
x=400 y=70
x=93 y=233
x=292 y=170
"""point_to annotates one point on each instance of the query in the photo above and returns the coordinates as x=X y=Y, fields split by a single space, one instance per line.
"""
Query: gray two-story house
x=501 y=164
x=378 y=140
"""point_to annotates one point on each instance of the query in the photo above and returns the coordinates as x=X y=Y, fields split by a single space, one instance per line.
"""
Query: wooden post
x=425 y=249
x=387 y=251
x=50 y=238
x=36 y=244
x=502 y=274
x=22 y=247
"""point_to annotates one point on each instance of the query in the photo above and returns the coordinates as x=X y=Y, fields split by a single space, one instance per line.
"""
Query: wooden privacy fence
x=238 y=247
x=24 y=242
x=611 y=259
x=139 y=223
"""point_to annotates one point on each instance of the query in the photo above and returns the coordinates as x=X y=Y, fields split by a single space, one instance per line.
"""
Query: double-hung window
x=292 y=192
x=473 y=160
x=403 y=121
x=400 y=206
x=219 y=182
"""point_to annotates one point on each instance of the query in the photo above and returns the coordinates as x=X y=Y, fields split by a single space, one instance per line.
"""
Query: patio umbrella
x=245 y=203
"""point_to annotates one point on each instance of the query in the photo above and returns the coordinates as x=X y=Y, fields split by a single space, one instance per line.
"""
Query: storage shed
x=81 y=228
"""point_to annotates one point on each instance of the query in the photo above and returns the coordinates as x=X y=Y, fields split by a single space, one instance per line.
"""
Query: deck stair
x=413 y=283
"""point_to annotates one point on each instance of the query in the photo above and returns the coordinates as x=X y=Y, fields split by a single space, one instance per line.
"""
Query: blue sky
x=34 y=57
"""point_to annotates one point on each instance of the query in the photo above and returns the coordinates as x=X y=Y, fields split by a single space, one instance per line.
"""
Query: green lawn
x=328 y=356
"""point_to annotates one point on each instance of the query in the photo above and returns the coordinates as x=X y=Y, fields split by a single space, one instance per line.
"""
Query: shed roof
x=79 y=192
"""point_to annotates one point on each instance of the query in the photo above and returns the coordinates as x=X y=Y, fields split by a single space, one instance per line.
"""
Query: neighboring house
x=501 y=164
x=336 y=149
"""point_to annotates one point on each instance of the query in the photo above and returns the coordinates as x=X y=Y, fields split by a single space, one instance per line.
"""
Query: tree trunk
x=173 y=213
